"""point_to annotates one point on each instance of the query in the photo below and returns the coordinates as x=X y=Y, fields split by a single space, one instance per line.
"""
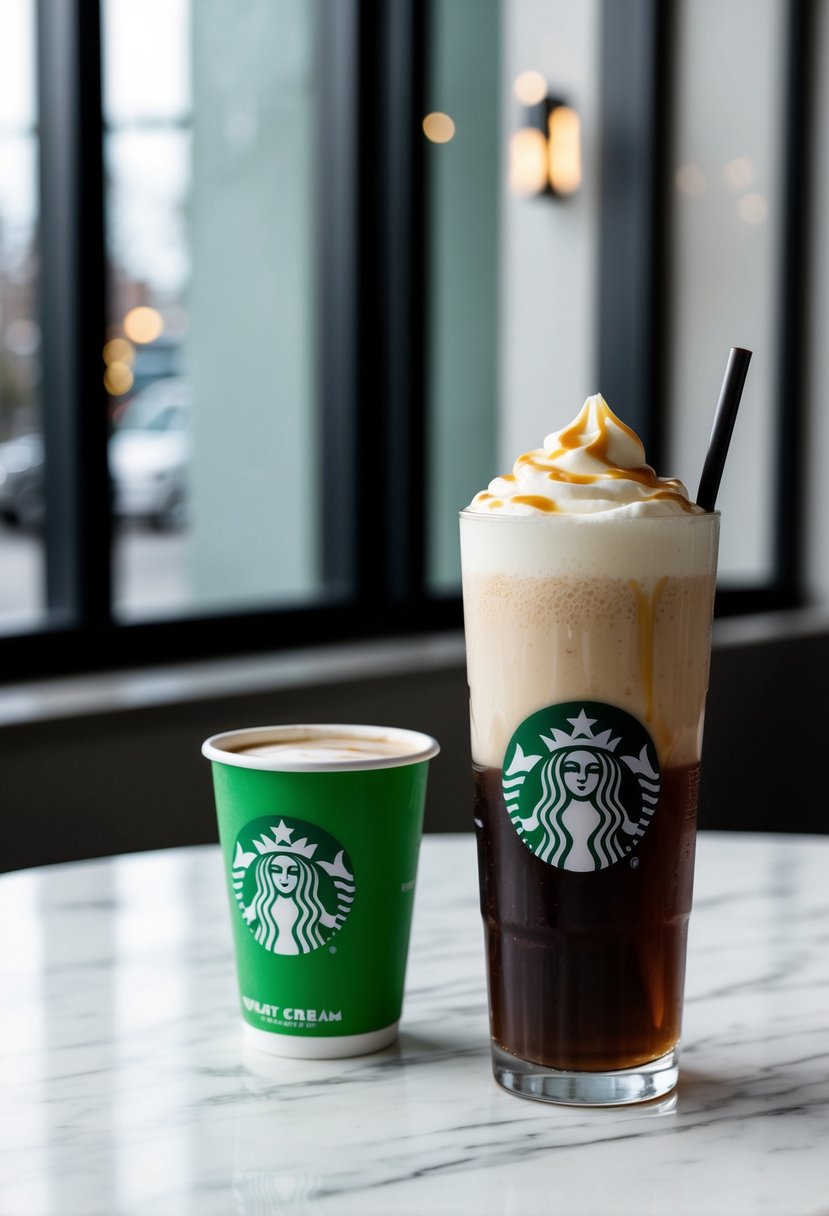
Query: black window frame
x=373 y=237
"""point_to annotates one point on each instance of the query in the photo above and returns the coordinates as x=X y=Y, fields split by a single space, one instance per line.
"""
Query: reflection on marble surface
x=126 y=1088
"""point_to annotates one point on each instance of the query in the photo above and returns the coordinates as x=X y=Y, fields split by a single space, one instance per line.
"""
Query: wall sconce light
x=545 y=151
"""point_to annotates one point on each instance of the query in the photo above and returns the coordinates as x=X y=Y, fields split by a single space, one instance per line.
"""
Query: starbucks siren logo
x=292 y=899
x=581 y=798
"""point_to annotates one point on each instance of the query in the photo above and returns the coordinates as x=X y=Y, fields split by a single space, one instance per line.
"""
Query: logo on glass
x=293 y=882
x=581 y=783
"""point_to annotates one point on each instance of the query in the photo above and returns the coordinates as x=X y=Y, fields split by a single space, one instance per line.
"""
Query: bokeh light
x=119 y=350
x=690 y=180
x=438 y=127
x=752 y=209
x=739 y=173
x=118 y=379
x=530 y=87
x=143 y=324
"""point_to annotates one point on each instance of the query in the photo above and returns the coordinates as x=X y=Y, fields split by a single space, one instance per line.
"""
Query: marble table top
x=125 y=1087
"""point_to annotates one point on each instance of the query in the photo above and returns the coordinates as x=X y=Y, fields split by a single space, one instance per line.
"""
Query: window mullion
x=72 y=314
x=337 y=277
x=401 y=109
x=792 y=390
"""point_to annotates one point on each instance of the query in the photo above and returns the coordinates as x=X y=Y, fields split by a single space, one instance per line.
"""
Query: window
x=286 y=332
x=21 y=447
x=728 y=166
x=211 y=179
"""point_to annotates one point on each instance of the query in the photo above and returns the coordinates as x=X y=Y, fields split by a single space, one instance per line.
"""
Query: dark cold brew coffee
x=586 y=970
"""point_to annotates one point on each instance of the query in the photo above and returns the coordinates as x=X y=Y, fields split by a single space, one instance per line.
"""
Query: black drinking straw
x=724 y=419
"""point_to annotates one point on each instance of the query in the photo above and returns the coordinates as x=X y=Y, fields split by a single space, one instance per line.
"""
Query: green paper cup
x=320 y=833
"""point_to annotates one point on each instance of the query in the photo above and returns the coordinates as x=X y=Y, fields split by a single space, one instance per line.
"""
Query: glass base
x=613 y=1088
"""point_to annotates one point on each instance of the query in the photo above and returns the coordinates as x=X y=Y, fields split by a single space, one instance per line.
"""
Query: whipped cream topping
x=596 y=465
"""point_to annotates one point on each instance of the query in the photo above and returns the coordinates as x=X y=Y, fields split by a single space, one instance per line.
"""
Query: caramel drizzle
x=661 y=487
x=573 y=438
x=531 y=500
x=535 y=500
x=488 y=500
x=646 y=605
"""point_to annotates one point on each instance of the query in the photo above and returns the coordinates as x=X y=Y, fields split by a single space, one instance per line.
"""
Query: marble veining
x=126 y=1088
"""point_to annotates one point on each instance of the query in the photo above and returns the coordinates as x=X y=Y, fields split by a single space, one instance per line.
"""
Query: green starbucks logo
x=581 y=783
x=293 y=882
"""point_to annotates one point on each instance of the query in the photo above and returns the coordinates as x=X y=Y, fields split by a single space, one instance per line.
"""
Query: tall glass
x=588 y=642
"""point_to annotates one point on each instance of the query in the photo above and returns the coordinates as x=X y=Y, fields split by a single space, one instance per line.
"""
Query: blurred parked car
x=21 y=480
x=149 y=455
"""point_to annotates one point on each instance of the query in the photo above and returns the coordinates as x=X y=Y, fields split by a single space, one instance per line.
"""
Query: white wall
x=726 y=223
x=549 y=248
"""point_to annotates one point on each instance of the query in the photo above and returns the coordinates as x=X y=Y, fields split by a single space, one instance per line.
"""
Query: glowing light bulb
x=527 y=161
x=564 y=127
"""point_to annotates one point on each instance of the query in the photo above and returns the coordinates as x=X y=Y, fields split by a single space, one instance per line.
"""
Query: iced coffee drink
x=588 y=588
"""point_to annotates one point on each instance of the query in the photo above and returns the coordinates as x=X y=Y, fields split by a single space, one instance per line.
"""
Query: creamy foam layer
x=329 y=750
x=538 y=546
x=596 y=465
x=614 y=610
x=334 y=747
